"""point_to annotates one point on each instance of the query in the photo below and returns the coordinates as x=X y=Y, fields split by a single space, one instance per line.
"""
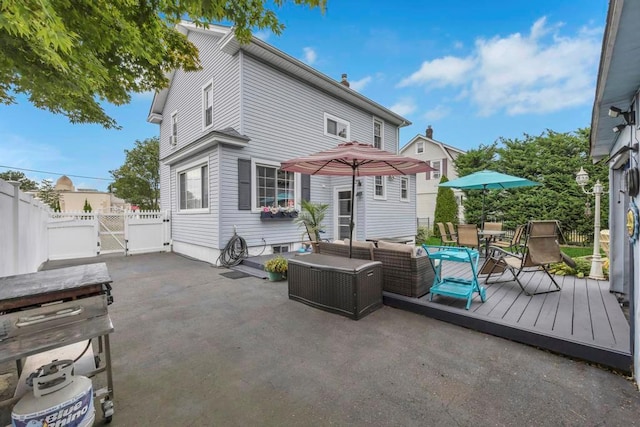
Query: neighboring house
x=225 y=129
x=617 y=104
x=441 y=157
x=72 y=199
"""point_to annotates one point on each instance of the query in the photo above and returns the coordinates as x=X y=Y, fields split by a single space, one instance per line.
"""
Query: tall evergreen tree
x=446 y=206
x=87 y=206
x=48 y=194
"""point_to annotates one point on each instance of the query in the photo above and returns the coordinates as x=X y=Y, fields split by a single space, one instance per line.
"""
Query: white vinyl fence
x=87 y=234
x=23 y=231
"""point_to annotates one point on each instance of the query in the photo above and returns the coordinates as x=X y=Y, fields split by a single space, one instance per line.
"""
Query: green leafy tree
x=25 y=183
x=86 y=207
x=48 y=194
x=446 y=206
x=68 y=56
x=138 y=180
x=552 y=159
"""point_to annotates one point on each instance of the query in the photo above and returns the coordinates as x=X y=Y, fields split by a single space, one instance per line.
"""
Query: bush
x=423 y=235
x=583 y=268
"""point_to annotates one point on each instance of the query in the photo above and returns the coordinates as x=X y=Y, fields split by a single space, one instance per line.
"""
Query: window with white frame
x=436 y=164
x=207 y=105
x=336 y=127
x=379 y=187
x=378 y=131
x=193 y=182
x=174 y=129
x=420 y=147
x=274 y=187
x=404 y=189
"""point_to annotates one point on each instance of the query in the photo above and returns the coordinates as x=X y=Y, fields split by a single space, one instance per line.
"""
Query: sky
x=476 y=71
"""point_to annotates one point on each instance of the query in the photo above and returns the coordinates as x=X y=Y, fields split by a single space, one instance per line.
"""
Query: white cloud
x=310 y=55
x=360 y=84
x=437 y=113
x=404 y=106
x=458 y=45
x=539 y=72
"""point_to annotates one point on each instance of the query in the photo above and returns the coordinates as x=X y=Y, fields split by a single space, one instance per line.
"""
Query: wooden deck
x=584 y=320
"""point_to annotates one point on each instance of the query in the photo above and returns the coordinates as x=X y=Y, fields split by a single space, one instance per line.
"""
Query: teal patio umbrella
x=488 y=180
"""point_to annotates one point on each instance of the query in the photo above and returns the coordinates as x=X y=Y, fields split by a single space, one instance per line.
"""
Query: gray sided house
x=225 y=129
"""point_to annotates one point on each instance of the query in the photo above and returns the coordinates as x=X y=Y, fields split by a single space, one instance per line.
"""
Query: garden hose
x=234 y=252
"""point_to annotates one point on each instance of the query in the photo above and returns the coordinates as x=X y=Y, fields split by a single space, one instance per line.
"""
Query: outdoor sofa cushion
x=402 y=272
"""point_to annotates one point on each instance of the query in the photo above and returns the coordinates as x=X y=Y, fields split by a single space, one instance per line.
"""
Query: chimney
x=344 y=80
x=429 y=132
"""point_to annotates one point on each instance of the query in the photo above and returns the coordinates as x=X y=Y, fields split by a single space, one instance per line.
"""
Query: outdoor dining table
x=488 y=236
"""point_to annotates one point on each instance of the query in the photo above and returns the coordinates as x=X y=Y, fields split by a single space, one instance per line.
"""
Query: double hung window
x=207 y=105
x=194 y=188
x=274 y=187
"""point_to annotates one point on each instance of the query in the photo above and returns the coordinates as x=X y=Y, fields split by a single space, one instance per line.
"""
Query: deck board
x=583 y=320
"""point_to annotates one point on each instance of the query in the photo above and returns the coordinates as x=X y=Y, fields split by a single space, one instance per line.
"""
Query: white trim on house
x=338 y=121
x=404 y=179
x=270 y=163
x=381 y=136
x=195 y=164
x=203 y=144
x=205 y=100
x=383 y=184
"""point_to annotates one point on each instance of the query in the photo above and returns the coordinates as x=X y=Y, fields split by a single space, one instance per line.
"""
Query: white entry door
x=342 y=203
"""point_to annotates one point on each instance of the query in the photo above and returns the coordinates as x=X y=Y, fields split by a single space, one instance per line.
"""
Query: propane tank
x=59 y=398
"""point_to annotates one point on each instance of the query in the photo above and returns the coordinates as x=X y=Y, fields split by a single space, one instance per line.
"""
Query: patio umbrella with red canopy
x=355 y=159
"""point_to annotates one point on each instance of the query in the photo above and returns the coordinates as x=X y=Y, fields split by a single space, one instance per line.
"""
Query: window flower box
x=279 y=215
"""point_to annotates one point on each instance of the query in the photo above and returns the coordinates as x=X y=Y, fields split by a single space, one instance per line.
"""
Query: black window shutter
x=244 y=184
x=444 y=167
x=428 y=174
x=305 y=181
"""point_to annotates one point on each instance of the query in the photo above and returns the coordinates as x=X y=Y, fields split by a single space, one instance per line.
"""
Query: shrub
x=423 y=235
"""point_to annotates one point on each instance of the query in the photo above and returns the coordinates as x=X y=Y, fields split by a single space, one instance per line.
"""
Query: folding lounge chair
x=452 y=231
x=493 y=226
x=444 y=238
x=540 y=250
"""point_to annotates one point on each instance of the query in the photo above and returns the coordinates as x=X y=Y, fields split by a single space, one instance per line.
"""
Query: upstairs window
x=207 y=105
x=336 y=127
x=436 y=164
x=420 y=147
x=173 y=138
x=379 y=188
x=194 y=188
x=378 y=127
x=404 y=189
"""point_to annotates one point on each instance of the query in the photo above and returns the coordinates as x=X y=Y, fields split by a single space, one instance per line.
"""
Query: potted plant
x=312 y=215
x=276 y=268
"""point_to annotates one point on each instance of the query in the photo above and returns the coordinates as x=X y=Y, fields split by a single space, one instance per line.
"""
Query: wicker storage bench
x=403 y=273
x=350 y=287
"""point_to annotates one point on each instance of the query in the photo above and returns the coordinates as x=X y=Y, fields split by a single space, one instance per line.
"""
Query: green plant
x=446 y=206
x=582 y=269
x=312 y=215
x=278 y=264
x=423 y=235
x=87 y=206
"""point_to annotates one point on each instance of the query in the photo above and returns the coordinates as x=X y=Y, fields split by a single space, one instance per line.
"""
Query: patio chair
x=493 y=226
x=468 y=236
x=541 y=249
x=512 y=245
x=452 y=231
x=444 y=237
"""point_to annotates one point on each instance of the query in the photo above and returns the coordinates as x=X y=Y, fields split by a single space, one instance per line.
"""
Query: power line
x=55 y=173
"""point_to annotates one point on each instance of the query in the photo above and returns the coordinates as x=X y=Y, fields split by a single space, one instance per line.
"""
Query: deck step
x=249 y=269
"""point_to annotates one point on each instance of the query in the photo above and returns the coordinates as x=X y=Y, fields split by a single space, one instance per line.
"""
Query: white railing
x=23 y=231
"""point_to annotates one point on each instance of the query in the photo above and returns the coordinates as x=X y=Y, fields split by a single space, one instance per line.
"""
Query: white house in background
x=441 y=157
x=617 y=104
x=225 y=129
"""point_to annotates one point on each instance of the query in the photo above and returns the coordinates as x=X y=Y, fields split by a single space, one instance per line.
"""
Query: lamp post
x=582 y=178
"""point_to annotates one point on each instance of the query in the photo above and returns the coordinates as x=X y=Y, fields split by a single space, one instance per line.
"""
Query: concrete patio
x=192 y=347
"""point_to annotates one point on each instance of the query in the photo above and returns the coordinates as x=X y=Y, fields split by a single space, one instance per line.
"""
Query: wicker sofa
x=360 y=250
x=403 y=272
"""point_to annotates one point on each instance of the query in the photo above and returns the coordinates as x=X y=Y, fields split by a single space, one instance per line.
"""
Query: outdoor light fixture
x=619 y=127
x=627 y=115
x=582 y=179
x=614 y=111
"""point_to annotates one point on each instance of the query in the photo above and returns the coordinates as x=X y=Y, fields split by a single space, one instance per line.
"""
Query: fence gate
x=86 y=234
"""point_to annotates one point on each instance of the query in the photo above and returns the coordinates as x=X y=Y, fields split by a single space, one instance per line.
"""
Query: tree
x=311 y=217
x=446 y=206
x=67 y=57
x=25 y=183
x=86 y=207
x=552 y=159
x=48 y=194
x=138 y=180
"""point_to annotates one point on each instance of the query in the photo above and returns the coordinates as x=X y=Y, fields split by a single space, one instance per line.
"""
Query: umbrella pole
x=484 y=192
x=353 y=187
